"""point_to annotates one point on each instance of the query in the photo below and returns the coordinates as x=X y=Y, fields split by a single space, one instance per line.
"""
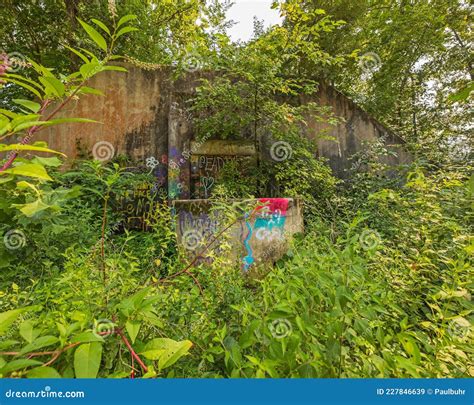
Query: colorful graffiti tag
x=269 y=225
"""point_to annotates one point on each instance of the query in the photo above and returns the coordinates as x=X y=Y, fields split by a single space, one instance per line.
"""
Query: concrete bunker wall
x=143 y=116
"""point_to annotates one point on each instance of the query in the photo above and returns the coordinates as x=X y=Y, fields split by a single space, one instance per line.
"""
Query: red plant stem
x=25 y=140
x=102 y=247
x=132 y=352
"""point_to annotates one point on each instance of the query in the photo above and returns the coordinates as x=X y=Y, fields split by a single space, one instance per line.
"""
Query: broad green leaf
x=90 y=69
x=87 y=359
x=129 y=304
x=91 y=90
x=124 y=30
x=81 y=55
x=43 y=372
x=22 y=118
x=116 y=68
x=6 y=344
x=133 y=327
x=24 y=85
x=101 y=25
x=29 y=170
x=95 y=36
x=32 y=208
x=166 y=351
x=8 y=113
x=7 y=318
x=25 y=79
x=125 y=19
x=18 y=146
x=28 y=332
x=6 y=179
x=44 y=71
x=87 y=337
x=52 y=86
x=27 y=125
x=49 y=162
x=31 y=105
x=39 y=343
x=18 y=365
x=57 y=121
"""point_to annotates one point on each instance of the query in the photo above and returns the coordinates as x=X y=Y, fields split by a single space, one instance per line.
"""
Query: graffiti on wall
x=268 y=226
x=139 y=206
x=204 y=172
x=261 y=232
x=198 y=230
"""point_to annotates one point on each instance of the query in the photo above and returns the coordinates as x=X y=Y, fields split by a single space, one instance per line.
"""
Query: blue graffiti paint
x=248 y=260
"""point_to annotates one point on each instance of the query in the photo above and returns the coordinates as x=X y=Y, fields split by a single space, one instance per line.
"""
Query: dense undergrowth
x=377 y=289
x=379 y=286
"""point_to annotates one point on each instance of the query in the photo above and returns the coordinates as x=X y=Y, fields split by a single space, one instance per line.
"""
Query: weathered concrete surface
x=259 y=237
x=356 y=128
x=143 y=115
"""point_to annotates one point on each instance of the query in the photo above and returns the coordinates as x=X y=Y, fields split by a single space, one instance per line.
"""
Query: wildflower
x=112 y=8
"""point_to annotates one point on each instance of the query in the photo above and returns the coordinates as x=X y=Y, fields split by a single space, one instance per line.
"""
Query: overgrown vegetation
x=379 y=286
